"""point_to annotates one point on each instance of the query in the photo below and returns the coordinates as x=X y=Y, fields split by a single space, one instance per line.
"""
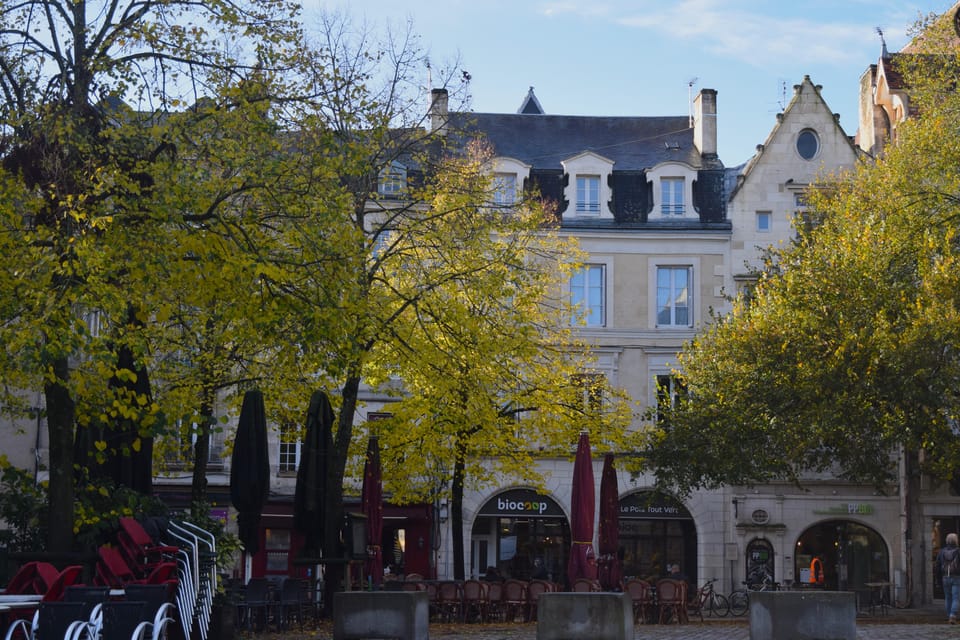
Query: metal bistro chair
x=475 y=603
x=254 y=608
x=53 y=619
x=642 y=595
x=514 y=599
x=672 y=599
x=291 y=605
x=534 y=589
x=450 y=600
x=586 y=585
x=495 y=609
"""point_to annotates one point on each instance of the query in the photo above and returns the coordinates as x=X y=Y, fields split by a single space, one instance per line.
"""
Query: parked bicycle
x=740 y=599
x=715 y=604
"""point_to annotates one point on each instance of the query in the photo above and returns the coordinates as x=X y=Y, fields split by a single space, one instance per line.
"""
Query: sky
x=646 y=57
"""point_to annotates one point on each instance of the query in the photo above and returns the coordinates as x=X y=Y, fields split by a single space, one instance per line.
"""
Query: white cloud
x=752 y=32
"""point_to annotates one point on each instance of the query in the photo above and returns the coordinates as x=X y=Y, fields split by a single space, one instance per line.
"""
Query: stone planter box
x=803 y=615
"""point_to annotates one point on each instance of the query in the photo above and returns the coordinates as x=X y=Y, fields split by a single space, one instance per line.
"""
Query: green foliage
x=228 y=544
x=22 y=511
x=100 y=507
x=850 y=349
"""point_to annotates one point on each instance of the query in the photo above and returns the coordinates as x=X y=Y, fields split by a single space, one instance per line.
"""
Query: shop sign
x=521 y=502
x=648 y=504
x=848 y=509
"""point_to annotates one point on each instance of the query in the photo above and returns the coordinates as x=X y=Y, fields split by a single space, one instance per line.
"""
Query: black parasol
x=310 y=495
x=250 y=469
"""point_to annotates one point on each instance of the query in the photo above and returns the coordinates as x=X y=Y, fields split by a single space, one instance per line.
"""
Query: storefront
x=524 y=534
x=850 y=554
x=656 y=530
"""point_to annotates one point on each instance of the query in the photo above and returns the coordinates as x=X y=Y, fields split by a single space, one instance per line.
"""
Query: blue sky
x=638 y=57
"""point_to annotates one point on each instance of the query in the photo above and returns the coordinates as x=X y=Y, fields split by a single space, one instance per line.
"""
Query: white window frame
x=588 y=195
x=503 y=166
x=392 y=180
x=584 y=168
x=672 y=201
x=287 y=449
x=673 y=270
x=664 y=177
x=585 y=314
x=504 y=189
x=692 y=265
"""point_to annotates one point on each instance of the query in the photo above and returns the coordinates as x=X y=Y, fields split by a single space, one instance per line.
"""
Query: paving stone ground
x=927 y=623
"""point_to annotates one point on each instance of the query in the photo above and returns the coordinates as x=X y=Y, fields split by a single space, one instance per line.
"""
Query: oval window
x=808 y=144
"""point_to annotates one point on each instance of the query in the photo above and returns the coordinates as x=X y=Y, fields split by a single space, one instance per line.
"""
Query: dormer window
x=587 y=188
x=504 y=189
x=393 y=180
x=508 y=175
x=588 y=195
x=672 y=184
x=671 y=196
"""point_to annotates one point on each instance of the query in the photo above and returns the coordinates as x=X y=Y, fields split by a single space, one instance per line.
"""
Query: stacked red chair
x=140 y=550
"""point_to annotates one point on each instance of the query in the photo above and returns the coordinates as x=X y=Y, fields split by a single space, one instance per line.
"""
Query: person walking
x=948 y=565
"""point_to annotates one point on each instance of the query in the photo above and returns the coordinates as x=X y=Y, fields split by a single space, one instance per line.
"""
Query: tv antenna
x=690 y=83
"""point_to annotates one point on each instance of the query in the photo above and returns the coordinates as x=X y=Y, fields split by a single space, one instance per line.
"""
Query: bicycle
x=715 y=604
x=740 y=598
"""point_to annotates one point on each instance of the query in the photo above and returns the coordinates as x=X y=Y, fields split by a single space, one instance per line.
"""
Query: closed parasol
x=608 y=533
x=250 y=469
x=372 y=507
x=310 y=493
x=582 y=562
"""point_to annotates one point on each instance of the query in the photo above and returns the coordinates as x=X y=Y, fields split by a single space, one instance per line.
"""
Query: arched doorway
x=760 y=564
x=852 y=554
x=656 y=530
x=524 y=534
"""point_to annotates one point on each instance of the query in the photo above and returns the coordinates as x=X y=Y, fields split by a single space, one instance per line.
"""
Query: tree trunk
x=201 y=454
x=332 y=549
x=60 y=429
x=456 y=518
x=914 y=549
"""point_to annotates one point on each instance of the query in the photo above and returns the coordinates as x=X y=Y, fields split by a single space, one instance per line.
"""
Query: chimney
x=439 y=113
x=705 y=122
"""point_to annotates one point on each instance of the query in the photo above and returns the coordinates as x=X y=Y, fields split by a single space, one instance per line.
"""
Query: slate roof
x=543 y=141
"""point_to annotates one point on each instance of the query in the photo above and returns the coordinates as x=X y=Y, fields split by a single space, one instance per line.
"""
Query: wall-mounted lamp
x=444 y=511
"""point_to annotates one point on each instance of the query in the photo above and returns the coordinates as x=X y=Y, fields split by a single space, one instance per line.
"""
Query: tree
x=421 y=255
x=488 y=357
x=77 y=166
x=846 y=358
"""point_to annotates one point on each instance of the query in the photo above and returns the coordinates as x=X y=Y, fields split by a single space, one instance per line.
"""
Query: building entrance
x=523 y=534
x=850 y=555
x=656 y=530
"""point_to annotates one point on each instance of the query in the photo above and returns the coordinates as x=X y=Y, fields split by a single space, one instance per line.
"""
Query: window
x=668 y=395
x=289 y=448
x=808 y=144
x=673 y=296
x=504 y=189
x=586 y=293
x=671 y=196
x=393 y=180
x=179 y=448
x=381 y=241
x=763 y=221
x=590 y=387
x=588 y=194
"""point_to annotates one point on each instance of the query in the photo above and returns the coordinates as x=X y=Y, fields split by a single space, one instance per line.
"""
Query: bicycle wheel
x=739 y=602
x=717 y=605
